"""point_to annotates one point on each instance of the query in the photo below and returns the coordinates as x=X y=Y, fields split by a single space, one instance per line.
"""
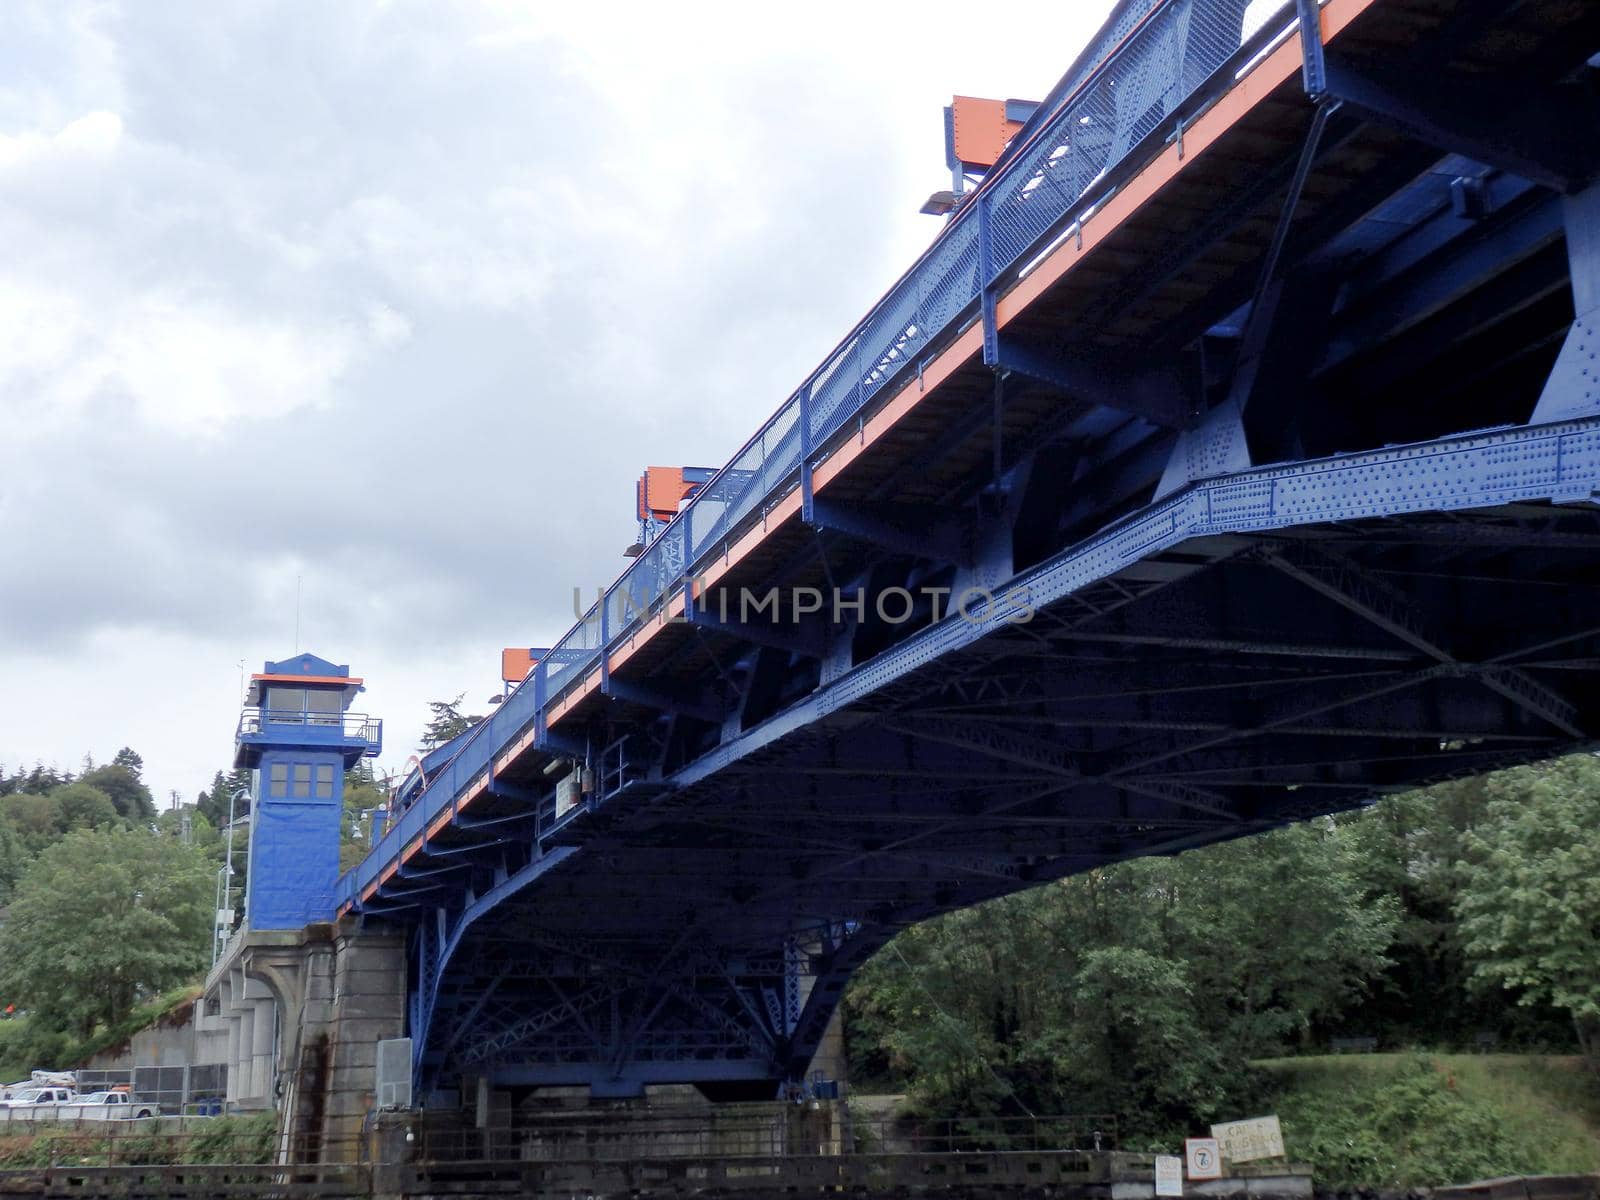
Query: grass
x=239 y=1139
x=1415 y=1120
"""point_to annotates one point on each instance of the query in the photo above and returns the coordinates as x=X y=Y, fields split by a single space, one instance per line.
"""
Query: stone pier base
x=297 y=1017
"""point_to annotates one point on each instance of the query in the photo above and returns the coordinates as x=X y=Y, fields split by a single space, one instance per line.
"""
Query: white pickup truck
x=63 y=1104
x=110 y=1106
x=34 y=1097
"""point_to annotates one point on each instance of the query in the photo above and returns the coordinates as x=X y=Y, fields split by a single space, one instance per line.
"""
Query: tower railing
x=356 y=727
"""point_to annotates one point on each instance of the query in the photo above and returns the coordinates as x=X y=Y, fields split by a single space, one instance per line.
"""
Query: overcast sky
x=397 y=299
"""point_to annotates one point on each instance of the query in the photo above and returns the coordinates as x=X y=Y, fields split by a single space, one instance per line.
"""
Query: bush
x=24 y=1045
x=244 y=1139
x=1407 y=1123
x=222 y=1140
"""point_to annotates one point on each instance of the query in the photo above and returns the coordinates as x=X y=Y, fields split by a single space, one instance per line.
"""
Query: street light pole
x=224 y=895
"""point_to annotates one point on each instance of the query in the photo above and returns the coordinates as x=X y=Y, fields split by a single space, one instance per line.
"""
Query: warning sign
x=1169 y=1175
x=1246 y=1141
x=1203 y=1158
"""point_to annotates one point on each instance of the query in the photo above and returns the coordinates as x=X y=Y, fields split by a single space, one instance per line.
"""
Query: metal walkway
x=1228 y=458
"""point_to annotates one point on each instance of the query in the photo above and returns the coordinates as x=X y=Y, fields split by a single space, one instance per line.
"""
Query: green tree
x=126 y=790
x=83 y=806
x=1141 y=989
x=447 y=722
x=101 y=918
x=12 y=861
x=362 y=796
x=1530 y=891
x=217 y=801
x=1280 y=932
x=203 y=836
x=35 y=820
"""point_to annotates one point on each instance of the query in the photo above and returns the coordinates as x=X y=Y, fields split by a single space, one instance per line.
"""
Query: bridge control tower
x=299 y=737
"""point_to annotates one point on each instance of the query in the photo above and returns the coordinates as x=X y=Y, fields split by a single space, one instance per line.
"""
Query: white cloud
x=482 y=254
x=398 y=299
x=388 y=327
x=193 y=366
x=182 y=363
x=94 y=133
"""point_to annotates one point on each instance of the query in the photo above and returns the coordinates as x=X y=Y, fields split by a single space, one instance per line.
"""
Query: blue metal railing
x=1154 y=64
x=356 y=727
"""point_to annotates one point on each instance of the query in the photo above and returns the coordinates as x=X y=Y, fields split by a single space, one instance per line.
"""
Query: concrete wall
x=297 y=1018
x=168 y=1042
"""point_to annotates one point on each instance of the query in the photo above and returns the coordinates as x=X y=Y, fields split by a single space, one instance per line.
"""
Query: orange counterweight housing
x=662 y=489
x=516 y=662
x=980 y=130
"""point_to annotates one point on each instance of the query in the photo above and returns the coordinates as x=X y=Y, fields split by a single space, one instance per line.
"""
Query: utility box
x=393 y=1088
x=569 y=793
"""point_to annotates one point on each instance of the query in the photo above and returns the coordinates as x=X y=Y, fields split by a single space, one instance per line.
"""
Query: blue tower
x=299 y=737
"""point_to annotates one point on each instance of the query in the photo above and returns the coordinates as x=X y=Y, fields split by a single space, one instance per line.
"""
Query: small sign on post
x=1169 y=1175
x=1246 y=1141
x=1203 y=1158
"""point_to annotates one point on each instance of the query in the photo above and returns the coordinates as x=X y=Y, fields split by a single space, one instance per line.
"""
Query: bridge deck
x=1208 y=652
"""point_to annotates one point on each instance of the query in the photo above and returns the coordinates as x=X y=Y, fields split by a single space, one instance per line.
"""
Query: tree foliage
x=363 y=795
x=101 y=918
x=447 y=722
x=34 y=821
x=1141 y=989
x=83 y=806
x=122 y=785
x=12 y=861
x=1530 y=889
x=226 y=795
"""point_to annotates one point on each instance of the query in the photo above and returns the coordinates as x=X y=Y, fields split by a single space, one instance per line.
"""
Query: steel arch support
x=1573 y=389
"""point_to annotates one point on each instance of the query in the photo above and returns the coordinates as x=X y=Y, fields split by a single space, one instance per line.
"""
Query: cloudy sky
x=396 y=299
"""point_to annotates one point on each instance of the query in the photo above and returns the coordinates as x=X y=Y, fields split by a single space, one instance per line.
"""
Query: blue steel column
x=1573 y=389
x=1314 y=69
x=686 y=520
x=991 y=332
x=605 y=637
x=541 y=693
x=426 y=948
x=806 y=513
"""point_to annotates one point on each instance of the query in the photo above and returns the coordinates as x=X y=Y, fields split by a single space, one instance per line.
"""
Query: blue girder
x=1143 y=637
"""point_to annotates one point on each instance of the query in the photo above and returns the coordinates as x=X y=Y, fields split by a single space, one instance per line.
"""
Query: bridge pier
x=300 y=1015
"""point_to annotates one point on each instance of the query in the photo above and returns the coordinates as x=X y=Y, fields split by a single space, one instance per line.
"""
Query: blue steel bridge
x=1251 y=409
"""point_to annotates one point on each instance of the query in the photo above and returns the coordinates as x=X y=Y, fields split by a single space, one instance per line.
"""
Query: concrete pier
x=296 y=1017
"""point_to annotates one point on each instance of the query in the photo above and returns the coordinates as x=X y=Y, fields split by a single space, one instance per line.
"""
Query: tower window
x=302 y=781
x=323 y=707
x=324 y=781
x=286 y=704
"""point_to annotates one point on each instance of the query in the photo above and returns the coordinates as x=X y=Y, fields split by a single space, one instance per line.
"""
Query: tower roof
x=303 y=669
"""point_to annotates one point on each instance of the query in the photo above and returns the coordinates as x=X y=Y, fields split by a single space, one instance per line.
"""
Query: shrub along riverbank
x=1415 y=1120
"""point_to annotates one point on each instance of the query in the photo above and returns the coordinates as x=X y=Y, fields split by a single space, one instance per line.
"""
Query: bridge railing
x=1154 y=66
x=1158 y=63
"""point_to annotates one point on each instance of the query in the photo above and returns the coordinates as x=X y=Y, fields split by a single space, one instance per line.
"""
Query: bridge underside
x=1224 y=686
x=1161 y=643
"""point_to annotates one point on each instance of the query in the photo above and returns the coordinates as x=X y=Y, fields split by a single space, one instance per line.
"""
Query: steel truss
x=1200 y=612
